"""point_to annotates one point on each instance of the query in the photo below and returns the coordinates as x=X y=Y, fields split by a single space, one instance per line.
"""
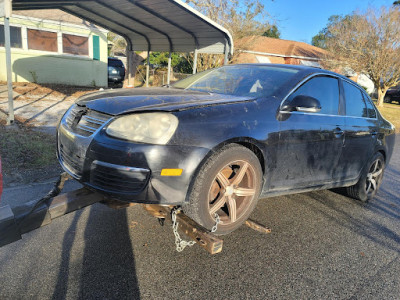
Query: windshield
x=247 y=80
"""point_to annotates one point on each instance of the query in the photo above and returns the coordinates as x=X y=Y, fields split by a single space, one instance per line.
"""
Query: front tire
x=370 y=180
x=228 y=184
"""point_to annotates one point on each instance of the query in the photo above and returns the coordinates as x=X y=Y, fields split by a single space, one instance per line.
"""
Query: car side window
x=355 y=104
x=370 y=107
x=325 y=90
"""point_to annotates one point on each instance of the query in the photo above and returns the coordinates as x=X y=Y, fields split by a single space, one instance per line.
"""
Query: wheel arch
x=381 y=151
x=246 y=142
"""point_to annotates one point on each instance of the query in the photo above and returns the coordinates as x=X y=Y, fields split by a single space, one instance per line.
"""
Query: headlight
x=151 y=128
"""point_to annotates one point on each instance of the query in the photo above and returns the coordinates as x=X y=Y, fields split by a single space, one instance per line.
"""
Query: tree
x=272 y=32
x=118 y=44
x=368 y=43
x=241 y=17
x=178 y=61
x=319 y=40
x=396 y=2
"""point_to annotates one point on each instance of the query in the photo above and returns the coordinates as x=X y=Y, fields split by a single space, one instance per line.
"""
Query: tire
x=221 y=188
x=371 y=178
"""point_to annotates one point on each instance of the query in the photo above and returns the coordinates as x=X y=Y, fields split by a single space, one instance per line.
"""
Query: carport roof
x=154 y=25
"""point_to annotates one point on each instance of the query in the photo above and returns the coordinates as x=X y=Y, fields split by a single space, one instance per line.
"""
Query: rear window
x=370 y=107
x=115 y=63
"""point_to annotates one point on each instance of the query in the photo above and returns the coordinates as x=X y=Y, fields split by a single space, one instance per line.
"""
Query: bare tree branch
x=369 y=43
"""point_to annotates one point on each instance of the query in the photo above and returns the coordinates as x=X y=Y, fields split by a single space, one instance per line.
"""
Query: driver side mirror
x=303 y=103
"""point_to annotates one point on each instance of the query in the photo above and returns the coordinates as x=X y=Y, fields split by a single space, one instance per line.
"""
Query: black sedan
x=392 y=94
x=217 y=141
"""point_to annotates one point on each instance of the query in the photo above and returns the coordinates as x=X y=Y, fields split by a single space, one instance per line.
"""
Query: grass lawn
x=27 y=155
x=391 y=112
x=26 y=149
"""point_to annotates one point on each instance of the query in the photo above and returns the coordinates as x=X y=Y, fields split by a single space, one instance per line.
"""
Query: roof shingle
x=278 y=46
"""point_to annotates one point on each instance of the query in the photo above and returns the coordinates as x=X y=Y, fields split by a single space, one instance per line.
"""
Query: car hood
x=122 y=101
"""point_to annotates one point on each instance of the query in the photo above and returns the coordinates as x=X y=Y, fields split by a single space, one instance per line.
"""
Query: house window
x=15 y=37
x=42 y=40
x=73 y=44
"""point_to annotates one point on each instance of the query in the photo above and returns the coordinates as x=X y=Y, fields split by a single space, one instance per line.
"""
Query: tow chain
x=180 y=243
x=217 y=221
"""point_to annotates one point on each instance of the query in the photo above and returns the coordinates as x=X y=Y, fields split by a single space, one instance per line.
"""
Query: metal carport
x=147 y=25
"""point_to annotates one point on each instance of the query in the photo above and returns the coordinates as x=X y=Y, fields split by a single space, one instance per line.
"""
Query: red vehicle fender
x=1 y=180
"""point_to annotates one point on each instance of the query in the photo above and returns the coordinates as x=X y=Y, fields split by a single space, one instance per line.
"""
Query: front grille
x=84 y=121
x=72 y=115
x=118 y=179
x=72 y=161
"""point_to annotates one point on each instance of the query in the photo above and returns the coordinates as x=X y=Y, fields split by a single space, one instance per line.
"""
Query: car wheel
x=370 y=180
x=227 y=185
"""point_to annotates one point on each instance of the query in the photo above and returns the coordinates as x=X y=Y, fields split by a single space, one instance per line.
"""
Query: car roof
x=305 y=70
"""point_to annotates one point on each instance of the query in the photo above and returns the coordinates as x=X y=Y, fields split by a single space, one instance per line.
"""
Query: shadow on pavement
x=359 y=220
x=108 y=264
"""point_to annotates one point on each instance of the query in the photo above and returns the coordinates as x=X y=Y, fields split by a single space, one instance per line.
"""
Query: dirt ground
x=34 y=91
x=28 y=147
x=41 y=105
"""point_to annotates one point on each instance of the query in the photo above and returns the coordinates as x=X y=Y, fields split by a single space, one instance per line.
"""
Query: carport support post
x=130 y=68
x=147 y=68
x=169 y=68
x=195 y=62
x=10 y=118
x=226 y=54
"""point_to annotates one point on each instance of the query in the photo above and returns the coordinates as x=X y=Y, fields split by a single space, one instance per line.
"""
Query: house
x=261 y=49
x=51 y=46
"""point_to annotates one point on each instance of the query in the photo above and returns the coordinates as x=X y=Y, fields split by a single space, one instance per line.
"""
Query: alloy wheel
x=374 y=177
x=231 y=191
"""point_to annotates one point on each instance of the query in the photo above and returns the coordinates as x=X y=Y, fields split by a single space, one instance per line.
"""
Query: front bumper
x=128 y=171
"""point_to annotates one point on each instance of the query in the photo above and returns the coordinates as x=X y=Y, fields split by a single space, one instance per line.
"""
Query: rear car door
x=360 y=132
x=310 y=143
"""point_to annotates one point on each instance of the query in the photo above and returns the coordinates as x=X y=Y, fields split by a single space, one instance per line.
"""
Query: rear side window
x=355 y=105
x=370 y=107
x=115 y=63
x=325 y=90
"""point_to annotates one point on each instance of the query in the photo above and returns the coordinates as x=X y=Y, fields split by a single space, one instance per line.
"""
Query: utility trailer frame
x=35 y=214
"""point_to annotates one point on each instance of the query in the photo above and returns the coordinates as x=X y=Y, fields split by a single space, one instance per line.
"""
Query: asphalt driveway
x=323 y=245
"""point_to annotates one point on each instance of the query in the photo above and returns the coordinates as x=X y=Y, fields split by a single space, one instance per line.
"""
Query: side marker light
x=171 y=172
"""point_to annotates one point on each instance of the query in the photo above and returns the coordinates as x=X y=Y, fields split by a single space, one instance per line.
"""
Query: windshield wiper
x=173 y=87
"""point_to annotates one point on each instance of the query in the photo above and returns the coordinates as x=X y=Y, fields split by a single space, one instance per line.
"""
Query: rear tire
x=228 y=184
x=371 y=178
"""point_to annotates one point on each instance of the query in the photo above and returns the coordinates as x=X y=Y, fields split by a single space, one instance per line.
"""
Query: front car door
x=360 y=132
x=310 y=143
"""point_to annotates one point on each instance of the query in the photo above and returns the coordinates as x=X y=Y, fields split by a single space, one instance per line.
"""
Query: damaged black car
x=217 y=141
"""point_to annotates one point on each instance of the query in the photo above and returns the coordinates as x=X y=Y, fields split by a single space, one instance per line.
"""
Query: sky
x=300 y=20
